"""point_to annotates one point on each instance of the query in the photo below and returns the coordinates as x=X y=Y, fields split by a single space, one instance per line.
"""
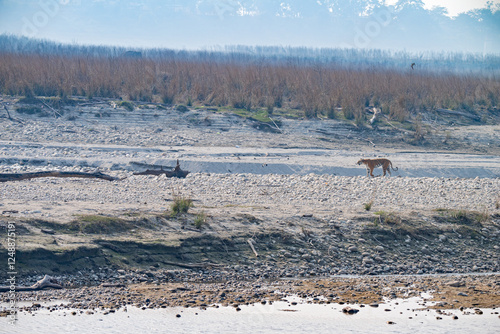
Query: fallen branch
x=276 y=125
x=250 y=242
x=46 y=282
x=56 y=113
x=176 y=172
x=27 y=176
x=8 y=114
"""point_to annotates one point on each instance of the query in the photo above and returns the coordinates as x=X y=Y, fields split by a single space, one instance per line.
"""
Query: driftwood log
x=26 y=176
x=46 y=282
x=176 y=172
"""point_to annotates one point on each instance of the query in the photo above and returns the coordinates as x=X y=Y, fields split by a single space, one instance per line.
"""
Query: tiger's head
x=360 y=161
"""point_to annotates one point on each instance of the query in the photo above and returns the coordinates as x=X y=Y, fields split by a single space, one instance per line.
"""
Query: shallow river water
x=395 y=316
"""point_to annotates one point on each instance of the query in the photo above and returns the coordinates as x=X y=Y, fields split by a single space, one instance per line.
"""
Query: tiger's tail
x=394 y=168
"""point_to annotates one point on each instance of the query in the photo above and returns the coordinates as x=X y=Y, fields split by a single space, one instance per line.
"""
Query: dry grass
x=368 y=206
x=320 y=90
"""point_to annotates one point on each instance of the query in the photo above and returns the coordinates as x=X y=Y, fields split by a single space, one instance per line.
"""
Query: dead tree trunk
x=46 y=282
x=176 y=172
x=26 y=176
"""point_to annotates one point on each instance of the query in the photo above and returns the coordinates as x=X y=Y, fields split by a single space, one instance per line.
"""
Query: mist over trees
x=437 y=62
x=201 y=24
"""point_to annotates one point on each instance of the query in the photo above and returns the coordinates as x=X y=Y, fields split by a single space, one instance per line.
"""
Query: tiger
x=371 y=164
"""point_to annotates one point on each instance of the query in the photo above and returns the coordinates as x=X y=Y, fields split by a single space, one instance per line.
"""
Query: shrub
x=389 y=218
x=127 y=105
x=181 y=108
x=368 y=206
x=181 y=205
x=200 y=220
x=167 y=98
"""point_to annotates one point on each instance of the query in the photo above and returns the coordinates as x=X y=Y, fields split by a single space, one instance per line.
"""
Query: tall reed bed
x=315 y=88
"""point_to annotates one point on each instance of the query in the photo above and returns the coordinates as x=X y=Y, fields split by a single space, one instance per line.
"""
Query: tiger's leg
x=367 y=171
x=371 y=172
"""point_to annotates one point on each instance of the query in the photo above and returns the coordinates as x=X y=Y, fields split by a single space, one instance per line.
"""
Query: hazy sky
x=185 y=24
x=454 y=7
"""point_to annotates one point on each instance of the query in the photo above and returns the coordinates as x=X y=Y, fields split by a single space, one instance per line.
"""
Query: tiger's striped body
x=371 y=164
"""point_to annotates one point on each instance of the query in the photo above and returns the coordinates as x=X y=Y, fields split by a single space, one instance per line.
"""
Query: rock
x=349 y=310
x=352 y=249
x=456 y=284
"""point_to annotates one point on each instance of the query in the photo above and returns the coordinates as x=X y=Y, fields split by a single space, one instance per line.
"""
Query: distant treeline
x=319 y=82
x=455 y=62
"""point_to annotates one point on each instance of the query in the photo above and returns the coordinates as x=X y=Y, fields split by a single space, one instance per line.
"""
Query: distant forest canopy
x=320 y=82
x=455 y=62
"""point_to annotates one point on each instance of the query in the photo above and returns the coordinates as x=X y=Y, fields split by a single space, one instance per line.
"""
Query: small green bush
x=389 y=218
x=200 y=220
x=181 y=205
